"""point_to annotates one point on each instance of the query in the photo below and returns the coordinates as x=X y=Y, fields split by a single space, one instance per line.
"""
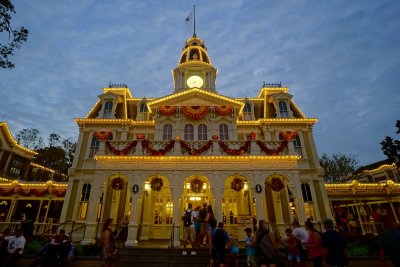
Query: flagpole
x=194 y=20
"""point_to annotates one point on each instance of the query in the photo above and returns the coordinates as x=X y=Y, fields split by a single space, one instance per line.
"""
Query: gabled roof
x=195 y=97
x=12 y=142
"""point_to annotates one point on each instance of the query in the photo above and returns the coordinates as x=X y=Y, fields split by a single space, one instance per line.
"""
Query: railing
x=171 y=245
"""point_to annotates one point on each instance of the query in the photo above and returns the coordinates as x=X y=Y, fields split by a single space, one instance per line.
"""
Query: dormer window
x=143 y=112
x=247 y=113
x=108 y=107
x=283 y=110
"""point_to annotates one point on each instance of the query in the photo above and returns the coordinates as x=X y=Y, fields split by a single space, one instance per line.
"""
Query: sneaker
x=193 y=253
x=184 y=252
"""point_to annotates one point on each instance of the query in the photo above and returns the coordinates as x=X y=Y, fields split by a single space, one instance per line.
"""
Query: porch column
x=394 y=211
x=359 y=216
x=218 y=204
x=299 y=197
x=133 y=226
x=91 y=220
x=40 y=208
x=11 y=210
x=176 y=193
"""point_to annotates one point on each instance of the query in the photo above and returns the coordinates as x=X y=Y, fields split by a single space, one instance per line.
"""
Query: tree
x=391 y=148
x=338 y=167
x=30 y=138
x=16 y=37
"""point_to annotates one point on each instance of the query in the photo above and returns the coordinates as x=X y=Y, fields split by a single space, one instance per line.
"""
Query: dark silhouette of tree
x=338 y=167
x=391 y=147
x=15 y=37
x=30 y=138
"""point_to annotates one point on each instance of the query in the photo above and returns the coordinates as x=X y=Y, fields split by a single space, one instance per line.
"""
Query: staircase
x=155 y=257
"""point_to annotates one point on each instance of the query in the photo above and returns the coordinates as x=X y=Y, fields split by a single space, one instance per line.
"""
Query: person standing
x=389 y=242
x=313 y=244
x=203 y=227
x=335 y=245
x=59 y=247
x=265 y=247
x=293 y=245
x=219 y=240
x=15 y=248
x=189 y=234
x=211 y=225
x=250 y=248
x=109 y=252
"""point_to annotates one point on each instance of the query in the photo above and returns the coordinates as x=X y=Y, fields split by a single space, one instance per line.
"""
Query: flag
x=189 y=19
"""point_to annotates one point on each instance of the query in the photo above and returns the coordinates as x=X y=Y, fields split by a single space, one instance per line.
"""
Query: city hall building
x=141 y=161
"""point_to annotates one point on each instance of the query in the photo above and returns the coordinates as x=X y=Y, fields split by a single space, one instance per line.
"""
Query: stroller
x=51 y=256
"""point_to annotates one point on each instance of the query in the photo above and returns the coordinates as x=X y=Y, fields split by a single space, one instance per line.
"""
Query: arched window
x=283 y=109
x=143 y=112
x=167 y=132
x=306 y=191
x=84 y=204
x=247 y=112
x=297 y=146
x=108 y=106
x=202 y=132
x=94 y=147
x=189 y=132
x=223 y=132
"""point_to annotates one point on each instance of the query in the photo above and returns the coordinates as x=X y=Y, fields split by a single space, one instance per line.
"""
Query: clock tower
x=194 y=68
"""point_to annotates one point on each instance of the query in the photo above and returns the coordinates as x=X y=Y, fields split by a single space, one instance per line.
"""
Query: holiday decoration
x=237 y=184
x=59 y=193
x=235 y=152
x=223 y=110
x=195 y=112
x=122 y=152
x=140 y=136
x=6 y=191
x=195 y=151
x=159 y=152
x=39 y=192
x=215 y=137
x=276 y=184
x=196 y=185
x=102 y=135
x=117 y=183
x=270 y=151
x=156 y=184
x=252 y=136
x=288 y=136
x=167 y=110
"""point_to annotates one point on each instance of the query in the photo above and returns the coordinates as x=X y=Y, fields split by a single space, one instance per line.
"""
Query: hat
x=248 y=229
x=329 y=223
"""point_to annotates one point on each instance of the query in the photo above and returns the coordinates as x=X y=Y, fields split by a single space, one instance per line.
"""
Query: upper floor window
x=84 y=204
x=143 y=111
x=94 y=147
x=16 y=166
x=108 y=107
x=283 y=110
x=189 y=132
x=202 y=132
x=247 y=114
x=167 y=132
x=223 y=132
x=306 y=191
x=297 y=146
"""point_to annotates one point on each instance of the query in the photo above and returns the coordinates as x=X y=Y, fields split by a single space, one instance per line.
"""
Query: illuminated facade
x=142 y=160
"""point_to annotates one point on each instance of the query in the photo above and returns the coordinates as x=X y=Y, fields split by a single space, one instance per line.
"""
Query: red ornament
x=140 y=136
x=276 y=184
x=252 y=136
x=215 y=137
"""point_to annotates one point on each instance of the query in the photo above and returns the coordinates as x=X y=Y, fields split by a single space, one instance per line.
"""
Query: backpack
x=187 y=218
x=219 y=239
x=212 y=221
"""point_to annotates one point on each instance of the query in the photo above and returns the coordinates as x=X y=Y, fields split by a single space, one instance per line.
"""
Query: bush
x=358 y=249
x=34 y=246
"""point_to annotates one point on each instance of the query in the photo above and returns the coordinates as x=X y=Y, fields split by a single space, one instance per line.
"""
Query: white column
x=133 y=226
x=299 y=198
x=91 y=220
x=176 y=193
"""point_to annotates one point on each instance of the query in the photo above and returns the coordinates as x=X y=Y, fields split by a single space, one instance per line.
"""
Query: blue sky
x=340 y=60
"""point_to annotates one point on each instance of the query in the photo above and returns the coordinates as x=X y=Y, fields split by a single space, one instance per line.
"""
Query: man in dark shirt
x=334 y=243
x=389 y=241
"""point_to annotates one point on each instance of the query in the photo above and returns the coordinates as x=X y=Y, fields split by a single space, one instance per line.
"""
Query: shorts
x=218 y=254
x=251 y=261
x=292 y=257
x=189 y=233
x=203 y=228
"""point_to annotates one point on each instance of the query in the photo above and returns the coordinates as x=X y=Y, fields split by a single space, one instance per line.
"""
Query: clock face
x=194 y=81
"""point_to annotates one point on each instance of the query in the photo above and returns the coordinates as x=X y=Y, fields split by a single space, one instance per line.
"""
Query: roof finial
x=194 y=20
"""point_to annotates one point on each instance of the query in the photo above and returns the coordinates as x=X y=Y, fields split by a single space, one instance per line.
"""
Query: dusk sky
x=340 y=60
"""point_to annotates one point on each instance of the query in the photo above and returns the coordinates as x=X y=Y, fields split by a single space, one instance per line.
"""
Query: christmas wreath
x=276 y=184
x=117 y=183
x=156 y=184
x=237 y=184
x=196 y=185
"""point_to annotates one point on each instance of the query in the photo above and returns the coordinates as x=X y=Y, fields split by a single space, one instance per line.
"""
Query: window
x=167 y=132
x=202 y=132
x=283 y=109
x=223 y=132
x=297 y=146
x=108 y=109
x=16 y=166
x=84 y=204
x=189 y=132
x=142 y=112
x=306 y=191
x=94 y=147
x=247 y=112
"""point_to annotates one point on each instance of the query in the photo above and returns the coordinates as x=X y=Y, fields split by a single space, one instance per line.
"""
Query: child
x=233 y=253
x=250 y=248
x=293 y=245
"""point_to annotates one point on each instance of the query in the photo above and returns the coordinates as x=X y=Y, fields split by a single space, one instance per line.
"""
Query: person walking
x=265 y=247
x=109 y=252
x=293 y=245
x=250 y=248
x=15 y=248
x=313 y=244
x=335 y=246
x=189 y=234
x=211 y=224
x=203 y=226
x=219 y=240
